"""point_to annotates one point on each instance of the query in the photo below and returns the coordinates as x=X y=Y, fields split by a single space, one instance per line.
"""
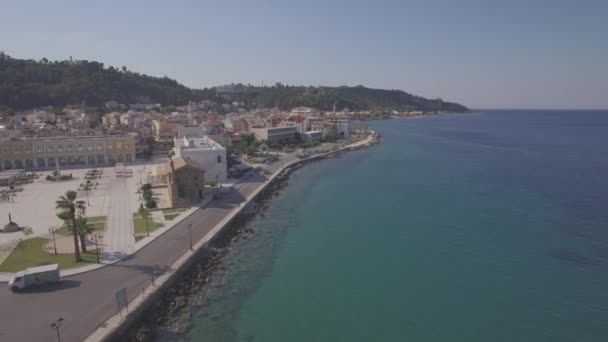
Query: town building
x=313 y=136
x=343 y=124
x=186 y=182
x=275 y=135
x=41 y=153
x=240 y=126
x=191 y=132
x=318 y=124
x=210 y=155
x=164 y=130
x=302 y=123
x=305 y=111
x=16 y=154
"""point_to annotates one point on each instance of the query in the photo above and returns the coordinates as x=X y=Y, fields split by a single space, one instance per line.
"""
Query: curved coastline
x=172 y=299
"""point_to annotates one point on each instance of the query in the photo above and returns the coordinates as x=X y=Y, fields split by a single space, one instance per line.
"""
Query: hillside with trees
x=26 y=84
x=328 y=98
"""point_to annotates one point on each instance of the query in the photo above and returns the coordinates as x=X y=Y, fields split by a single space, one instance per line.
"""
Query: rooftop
x=180 y=162
x=204 y=143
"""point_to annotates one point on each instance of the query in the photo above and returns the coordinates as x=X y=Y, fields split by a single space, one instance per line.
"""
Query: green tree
x=330 y=134
x=67 y=206
x=83 y=228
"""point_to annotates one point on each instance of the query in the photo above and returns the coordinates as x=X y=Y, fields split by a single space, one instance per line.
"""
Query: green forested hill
x=27 y=84
x=325 y=98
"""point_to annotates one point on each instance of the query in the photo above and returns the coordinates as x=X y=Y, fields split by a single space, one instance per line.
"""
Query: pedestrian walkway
x=119 y=236
x=158 y=216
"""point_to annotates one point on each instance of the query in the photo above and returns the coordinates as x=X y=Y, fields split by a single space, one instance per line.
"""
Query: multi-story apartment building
x=274 y=135
x=41 y=153
x=343 y=124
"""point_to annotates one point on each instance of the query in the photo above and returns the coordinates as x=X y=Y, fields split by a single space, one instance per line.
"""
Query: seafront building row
x=41 y=139
x=45 y=153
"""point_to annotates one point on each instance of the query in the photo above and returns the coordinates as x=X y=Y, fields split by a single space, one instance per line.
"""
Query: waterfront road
x=86 y=300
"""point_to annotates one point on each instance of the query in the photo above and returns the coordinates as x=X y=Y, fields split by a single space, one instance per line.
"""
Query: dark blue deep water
x=491 y=226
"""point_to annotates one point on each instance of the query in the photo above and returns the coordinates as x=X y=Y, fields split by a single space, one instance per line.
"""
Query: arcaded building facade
x=49 y=153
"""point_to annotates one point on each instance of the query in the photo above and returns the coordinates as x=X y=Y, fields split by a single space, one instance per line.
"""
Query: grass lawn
x=170 y=217
x=97 y=223
x=140 y=224
x=170 y=214
x=30 y=254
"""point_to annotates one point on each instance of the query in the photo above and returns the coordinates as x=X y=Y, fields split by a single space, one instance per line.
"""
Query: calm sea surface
x=490 y=226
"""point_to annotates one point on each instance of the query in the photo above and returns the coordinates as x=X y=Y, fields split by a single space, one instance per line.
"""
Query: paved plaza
x=113 y=197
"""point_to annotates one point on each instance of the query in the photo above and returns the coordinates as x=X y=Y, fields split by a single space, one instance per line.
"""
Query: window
x=219 y=159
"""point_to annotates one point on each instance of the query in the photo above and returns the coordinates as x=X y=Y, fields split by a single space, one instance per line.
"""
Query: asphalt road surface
x=86 y=300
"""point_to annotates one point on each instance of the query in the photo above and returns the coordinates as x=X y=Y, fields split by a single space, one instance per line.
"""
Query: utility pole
x=52 y=230
x=96 y=236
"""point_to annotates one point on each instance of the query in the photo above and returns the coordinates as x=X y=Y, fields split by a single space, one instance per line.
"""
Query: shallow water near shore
x=491 y=226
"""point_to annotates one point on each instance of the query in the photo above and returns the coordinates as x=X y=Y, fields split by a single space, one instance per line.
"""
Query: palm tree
x=83 y=228
x=67 y=206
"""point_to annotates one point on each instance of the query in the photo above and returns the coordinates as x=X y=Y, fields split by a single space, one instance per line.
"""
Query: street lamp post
x=147 y=230
x=52 y=230
x=96 y=236
x=55 y=325
x=190 y=231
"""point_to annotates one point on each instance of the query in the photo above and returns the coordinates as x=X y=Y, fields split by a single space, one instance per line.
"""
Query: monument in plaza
x=10 y=226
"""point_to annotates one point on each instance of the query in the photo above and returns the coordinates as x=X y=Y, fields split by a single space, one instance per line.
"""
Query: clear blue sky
x=514 y=54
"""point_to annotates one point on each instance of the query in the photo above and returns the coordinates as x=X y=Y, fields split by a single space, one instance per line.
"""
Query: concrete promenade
x=119 y=238
x=87 y=300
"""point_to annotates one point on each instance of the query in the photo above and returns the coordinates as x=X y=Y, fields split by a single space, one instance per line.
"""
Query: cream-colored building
x=42 y=153
x=186 y=181
x=16 y=154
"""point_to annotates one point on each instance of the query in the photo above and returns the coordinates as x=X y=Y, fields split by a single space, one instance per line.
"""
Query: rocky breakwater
x=177 y=304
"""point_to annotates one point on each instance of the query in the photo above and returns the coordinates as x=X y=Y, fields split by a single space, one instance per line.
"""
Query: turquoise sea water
x=490 y=226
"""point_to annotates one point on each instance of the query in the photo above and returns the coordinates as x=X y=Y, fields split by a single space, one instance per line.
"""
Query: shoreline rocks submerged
x=176 y=303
